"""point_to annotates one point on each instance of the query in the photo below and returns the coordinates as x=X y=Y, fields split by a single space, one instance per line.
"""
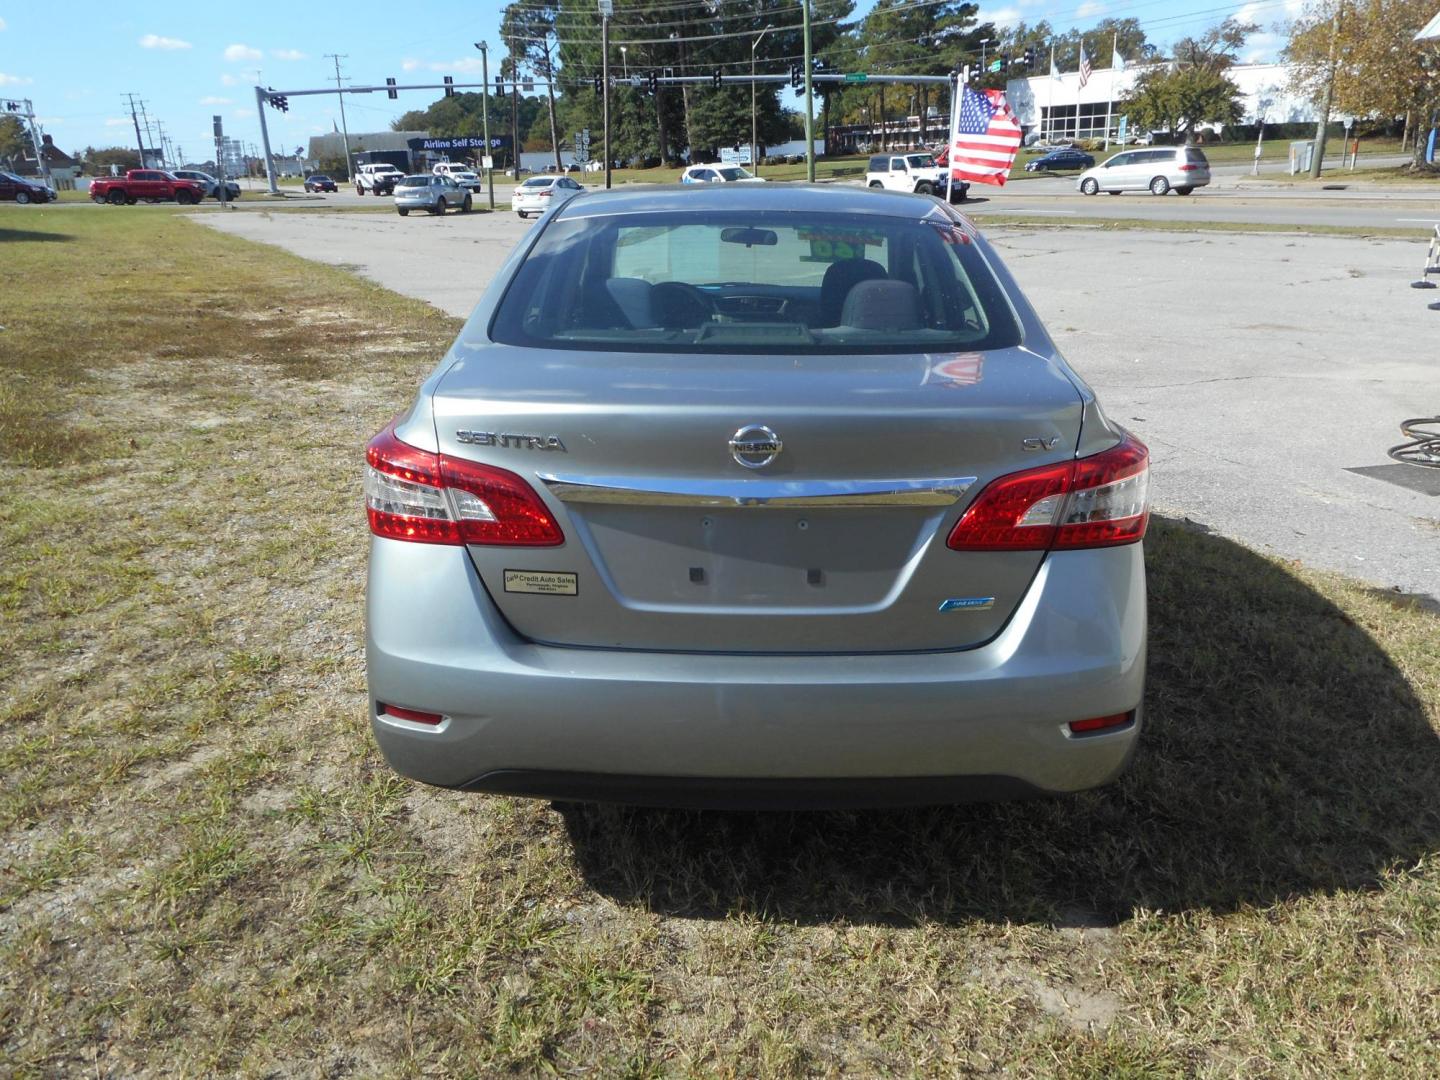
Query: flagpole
x=1110 y=97
x=1050 y=98
x=962 y=79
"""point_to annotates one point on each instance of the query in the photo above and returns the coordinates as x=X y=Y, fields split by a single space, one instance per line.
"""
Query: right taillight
x=413 y=494
x=1098 y=501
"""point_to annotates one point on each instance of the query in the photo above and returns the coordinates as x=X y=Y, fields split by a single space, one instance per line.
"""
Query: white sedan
x=718 y=174
x=539 y=193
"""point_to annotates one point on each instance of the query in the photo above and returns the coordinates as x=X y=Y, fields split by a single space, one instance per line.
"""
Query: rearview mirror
x=749 y=237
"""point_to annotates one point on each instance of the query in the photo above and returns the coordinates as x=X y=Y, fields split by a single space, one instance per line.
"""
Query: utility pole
x=684 y=89
x=754 y=138
x=809 y=99
x=139 y=142
x=1324 y=122
x=484 y=48
x=607 y=8
x=344 y=127
x=149 y=138
x=515 y=113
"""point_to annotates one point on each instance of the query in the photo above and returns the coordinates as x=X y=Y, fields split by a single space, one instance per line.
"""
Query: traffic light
x=500 y=85
x=390 y=93
x=279 y=102
x=716 y=78
x=1005 y=62
x=1029 y=55
x=654 y=80
x=599 y=84
x=449 y=86
x=795 y=79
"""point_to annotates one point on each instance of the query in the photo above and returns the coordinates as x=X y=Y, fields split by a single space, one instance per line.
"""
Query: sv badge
x=1037 y=442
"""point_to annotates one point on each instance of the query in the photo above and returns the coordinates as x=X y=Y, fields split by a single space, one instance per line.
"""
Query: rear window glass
x=921 y=161
x=767 y=282
x=1196 y=156
x=414 y=181
x=539 y=181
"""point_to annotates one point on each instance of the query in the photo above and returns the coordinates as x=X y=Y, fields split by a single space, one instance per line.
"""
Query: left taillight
x=1097 y=501
x=413 y=494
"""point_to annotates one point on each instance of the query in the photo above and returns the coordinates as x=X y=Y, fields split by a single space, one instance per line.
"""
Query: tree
x=98 y=162
x=1192 y=89
x=1380 y=71
x=528 y=30
x=14 y=141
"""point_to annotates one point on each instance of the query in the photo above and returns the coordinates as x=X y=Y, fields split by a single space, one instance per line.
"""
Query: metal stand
x=1432 y=266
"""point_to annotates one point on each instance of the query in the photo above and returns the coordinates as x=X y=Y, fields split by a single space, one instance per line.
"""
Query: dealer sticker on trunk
x=544 y=582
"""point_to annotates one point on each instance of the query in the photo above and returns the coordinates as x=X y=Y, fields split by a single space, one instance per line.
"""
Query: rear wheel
x=1183 y=190
x=22 y=197
x=359 y=190
x=466 y=205
x=402 y=211
x=185 y=198
x=116 y=198
x=523 y=214
x=439 y=205
x=876 y=184
x=1159 y=186
x=1090 y=186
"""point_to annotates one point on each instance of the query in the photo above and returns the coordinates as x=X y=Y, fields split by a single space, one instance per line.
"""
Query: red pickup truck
x=152 y=185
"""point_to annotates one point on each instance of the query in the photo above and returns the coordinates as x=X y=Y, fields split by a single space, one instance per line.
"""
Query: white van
x=1158 y=170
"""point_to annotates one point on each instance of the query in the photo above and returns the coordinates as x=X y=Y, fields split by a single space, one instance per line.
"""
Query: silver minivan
x=1156 y=169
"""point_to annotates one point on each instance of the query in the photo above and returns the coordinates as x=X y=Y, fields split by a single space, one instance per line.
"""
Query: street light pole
x=1262 y=106
x=754 y=144
x=809 y=98
x=484 y=48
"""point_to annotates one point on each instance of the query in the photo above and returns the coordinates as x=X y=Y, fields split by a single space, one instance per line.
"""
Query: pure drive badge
x=968 y=603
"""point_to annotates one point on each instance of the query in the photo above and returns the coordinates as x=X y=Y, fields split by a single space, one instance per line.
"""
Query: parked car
x=152 y=185
x=719 y=174
x=22 y=189
x=539 y=193
x=1067 y=158
x=377 y=178
x=761 y=495
x=462 y=174
x=319 y=182
x=431 y=193
x=210 y=183
x=918 y=173
x=1183 y=168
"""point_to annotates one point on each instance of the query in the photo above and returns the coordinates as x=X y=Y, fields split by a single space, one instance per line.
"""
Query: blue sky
x=188 y=62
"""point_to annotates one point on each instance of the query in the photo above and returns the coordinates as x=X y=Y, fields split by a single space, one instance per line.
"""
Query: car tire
x=185 y=198
x=466 y=206
x=924 y=187
x=359 y=190
x=1112 y=193
x=1089 y=186
x=402 y=210
x=1183 y=190
x=876 y=184
x=1159 y=186
x=131 y=202
x=116 y=198
x=521 y=214
x=439 y=207
x=22 y=197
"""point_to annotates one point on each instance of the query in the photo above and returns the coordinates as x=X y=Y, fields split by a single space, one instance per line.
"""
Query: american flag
x=985 y=139
x=1084 y=66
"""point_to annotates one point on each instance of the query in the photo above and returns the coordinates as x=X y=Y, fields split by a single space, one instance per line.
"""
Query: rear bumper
x=802 y=730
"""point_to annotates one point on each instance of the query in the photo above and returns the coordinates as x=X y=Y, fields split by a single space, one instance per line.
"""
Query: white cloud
x=14 y=80
x=155 y=41
x=212 y=100
x=242 y=114
x=1003 y=18
x=242 y=52
x=2 y=25
x=450 y=67
x=230 y=80
x=1089 y=9
x=117 y=121
x=287 y=54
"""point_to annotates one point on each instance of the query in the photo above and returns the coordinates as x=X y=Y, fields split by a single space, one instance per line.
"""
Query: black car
x=21 y=190
x=1066 y=157
x=319 y=182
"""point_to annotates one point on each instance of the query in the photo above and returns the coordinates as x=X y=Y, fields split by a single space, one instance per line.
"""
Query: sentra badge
x=513 y=440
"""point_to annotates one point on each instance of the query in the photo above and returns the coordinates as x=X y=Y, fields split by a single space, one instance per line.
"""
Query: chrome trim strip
x=817 y=494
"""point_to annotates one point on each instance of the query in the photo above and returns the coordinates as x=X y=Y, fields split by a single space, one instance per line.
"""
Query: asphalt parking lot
x=1262 y=369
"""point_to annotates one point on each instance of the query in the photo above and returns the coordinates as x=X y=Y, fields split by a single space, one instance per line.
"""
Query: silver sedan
x=756 y=495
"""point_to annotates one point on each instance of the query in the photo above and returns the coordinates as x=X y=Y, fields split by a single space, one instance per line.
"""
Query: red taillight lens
x=412 y=494
x=1100 y=723
x=416 y=716
x=1099 y=501
x=1188 y=168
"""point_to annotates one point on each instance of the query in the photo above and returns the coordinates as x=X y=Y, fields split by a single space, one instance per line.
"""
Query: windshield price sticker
x=838 y=245
x=542 y=582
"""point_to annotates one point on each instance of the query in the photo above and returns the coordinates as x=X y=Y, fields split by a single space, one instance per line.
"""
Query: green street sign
x=856 y=76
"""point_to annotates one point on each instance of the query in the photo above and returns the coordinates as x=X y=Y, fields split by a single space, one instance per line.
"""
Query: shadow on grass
x=7 y=235
x=1283 y=754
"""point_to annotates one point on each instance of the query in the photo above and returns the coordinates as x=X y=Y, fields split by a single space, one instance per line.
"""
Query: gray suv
x=1156 y=169
x=756 y=494
x=431 y=193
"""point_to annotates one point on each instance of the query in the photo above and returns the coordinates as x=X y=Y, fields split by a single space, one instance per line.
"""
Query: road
x=1260 y=368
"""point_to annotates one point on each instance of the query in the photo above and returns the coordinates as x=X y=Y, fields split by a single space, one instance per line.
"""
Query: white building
x=1063 y=109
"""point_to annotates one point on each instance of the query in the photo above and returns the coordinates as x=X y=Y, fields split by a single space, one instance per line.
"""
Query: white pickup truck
x=916 y=172
x=376 y=179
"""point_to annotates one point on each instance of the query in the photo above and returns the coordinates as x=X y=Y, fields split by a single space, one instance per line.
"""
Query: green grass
x=206 y=869
x=989 y=220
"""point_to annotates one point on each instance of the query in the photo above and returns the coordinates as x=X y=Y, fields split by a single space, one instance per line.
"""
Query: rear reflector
x=1100 y=723
x=412 y=494
x=415 y=715
x=1098 y=501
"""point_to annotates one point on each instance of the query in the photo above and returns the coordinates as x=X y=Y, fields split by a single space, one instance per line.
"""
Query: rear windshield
x=414 y=181
x=1195 y=156
x=539 y=181
x=769 y=282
